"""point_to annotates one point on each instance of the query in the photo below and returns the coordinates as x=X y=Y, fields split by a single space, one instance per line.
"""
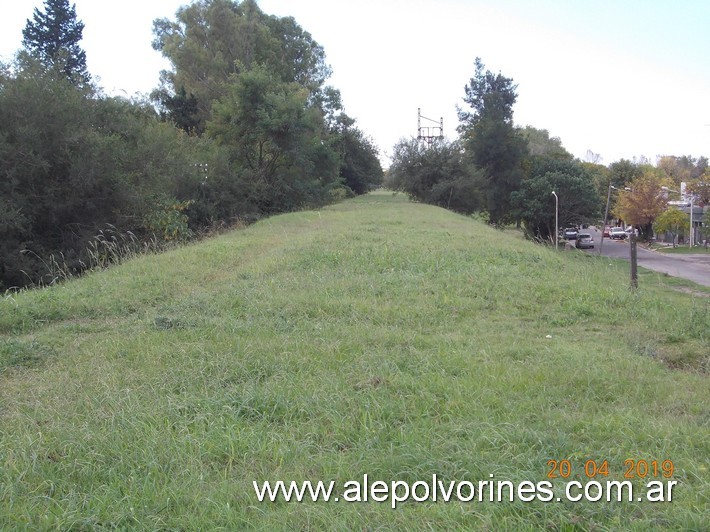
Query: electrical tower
x=429 y=134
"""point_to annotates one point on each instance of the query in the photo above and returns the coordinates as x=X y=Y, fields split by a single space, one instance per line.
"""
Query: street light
x=557 y=210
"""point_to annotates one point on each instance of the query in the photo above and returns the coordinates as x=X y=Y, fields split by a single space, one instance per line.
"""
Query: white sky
x=622 y=78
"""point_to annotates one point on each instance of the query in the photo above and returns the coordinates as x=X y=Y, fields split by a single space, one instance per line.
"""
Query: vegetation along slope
x=377 y=336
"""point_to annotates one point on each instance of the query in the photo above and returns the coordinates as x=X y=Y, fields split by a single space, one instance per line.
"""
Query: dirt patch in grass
x=692 y=292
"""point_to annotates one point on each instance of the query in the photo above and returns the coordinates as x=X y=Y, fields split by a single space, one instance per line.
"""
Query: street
x=695 y=268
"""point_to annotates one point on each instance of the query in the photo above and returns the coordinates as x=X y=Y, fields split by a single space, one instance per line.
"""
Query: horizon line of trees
x=243 y=126
x=507 y=172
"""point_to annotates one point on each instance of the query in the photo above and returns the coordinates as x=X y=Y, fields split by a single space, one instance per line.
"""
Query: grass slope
x=375 y=337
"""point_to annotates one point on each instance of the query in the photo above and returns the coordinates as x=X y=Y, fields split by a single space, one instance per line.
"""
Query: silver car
x=584 y=241
x=618 y=233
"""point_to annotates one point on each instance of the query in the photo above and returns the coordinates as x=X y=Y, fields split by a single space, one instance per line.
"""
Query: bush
x=435 y=174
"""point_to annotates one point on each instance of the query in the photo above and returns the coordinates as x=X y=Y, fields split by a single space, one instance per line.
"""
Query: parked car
x=607 y=232
x=618 y=233
x=570 y=233
x=585 y=241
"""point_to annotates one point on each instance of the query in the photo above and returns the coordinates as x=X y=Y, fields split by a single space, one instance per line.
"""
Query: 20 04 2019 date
x=631 y=468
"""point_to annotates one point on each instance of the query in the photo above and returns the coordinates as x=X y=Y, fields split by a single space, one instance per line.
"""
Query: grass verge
x=682 y=250
x=376 y=337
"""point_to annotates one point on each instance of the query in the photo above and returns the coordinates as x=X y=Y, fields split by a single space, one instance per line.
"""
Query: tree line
x=507 y=172
x=243 y=126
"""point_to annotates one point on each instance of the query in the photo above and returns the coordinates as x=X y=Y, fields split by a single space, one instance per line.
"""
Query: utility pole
x=429 y=134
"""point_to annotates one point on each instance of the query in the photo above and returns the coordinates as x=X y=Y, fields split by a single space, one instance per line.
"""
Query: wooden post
x=634 y=269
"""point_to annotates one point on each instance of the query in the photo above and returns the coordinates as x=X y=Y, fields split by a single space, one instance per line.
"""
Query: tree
x=534 y=203
x=643 y=203
x=276 y=140
x=685 y=168
x=212 y=40
x=72 y=163
x=700 y=188
x=53 y=38
x=591 y=157
x=541 y=144
x=623 y=171
x=360 y=168
x=705 y=229
x=436 y=174
x=672 y=221
x=180 y=109
x=490 y=140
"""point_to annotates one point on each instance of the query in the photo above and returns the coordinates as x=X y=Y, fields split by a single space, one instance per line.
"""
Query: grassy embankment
x=375 y=337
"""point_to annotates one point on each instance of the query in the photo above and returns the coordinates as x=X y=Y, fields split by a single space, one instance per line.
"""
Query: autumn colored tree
x=700 y=188
x=682 y=169
x=643 y=203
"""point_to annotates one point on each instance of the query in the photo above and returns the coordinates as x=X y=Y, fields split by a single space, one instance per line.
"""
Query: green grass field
x=377 y=337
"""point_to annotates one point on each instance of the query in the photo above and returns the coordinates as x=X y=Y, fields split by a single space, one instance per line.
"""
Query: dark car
x=585 y=241
x=570 y=233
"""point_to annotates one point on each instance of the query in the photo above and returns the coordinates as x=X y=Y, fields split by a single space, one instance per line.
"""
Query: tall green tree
x=541 y=144
x=53 y=36
x=180 y=108
x=490 y=139
x=211 y=40
x=279 y=149
x=624 y=171
x=534 y=203
x=360 y=168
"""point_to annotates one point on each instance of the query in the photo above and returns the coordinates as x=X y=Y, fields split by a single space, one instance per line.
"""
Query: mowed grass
x=684 y=250
x=377 y=337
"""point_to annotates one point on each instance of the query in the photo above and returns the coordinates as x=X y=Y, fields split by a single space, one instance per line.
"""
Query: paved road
x=693 y=267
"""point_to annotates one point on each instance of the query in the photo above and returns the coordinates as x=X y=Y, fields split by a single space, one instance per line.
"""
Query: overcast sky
x=622 y=78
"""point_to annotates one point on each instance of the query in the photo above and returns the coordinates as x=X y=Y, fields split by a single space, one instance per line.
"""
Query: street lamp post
x=557 y=210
